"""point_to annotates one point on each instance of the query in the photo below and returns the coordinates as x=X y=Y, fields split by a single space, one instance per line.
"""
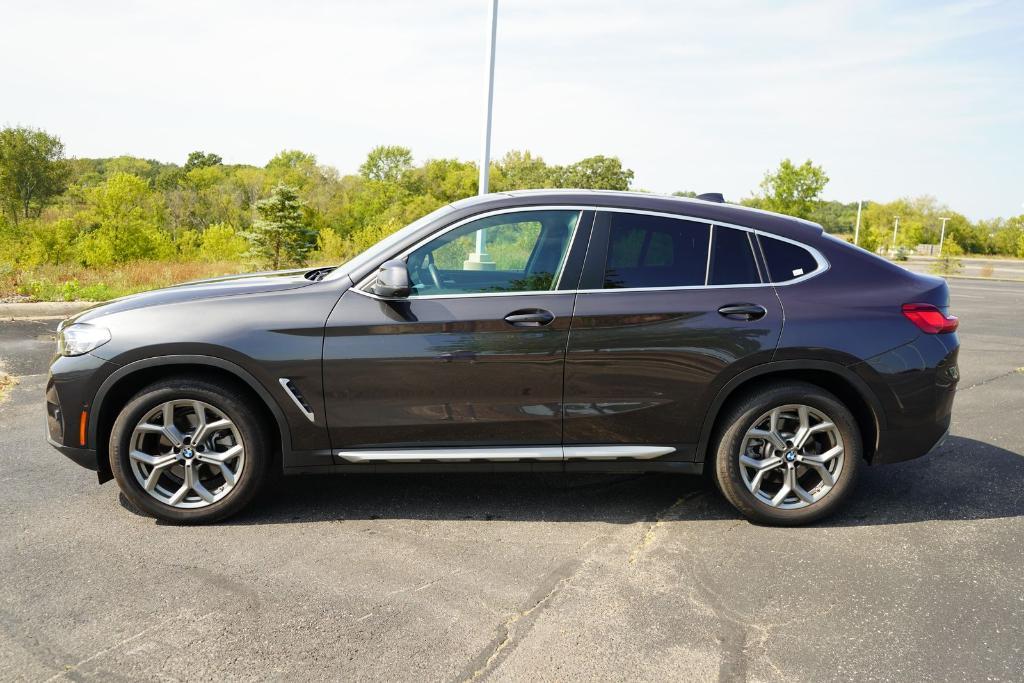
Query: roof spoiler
x=712 y=197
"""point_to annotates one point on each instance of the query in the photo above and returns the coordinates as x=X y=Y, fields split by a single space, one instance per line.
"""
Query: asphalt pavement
x=528 y=577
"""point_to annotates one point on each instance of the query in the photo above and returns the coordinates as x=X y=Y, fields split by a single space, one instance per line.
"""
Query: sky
x=892 y=98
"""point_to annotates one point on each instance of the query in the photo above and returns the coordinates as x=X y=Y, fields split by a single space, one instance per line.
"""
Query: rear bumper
x=906 y=444
x=916 y=384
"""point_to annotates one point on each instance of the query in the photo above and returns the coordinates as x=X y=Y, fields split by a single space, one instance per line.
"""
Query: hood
x=231 y=285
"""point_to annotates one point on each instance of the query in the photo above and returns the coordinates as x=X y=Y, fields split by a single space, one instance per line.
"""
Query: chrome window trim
x=819 y=258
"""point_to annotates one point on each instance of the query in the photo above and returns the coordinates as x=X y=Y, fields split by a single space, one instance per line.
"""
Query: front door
x=475 y=355
x=668 y=310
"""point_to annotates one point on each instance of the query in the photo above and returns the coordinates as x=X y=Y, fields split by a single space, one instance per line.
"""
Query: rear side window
x=786 y=261
x=654 y=251
x=732 y=259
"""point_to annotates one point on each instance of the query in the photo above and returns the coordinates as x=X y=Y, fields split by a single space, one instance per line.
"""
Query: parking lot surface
x=528 y=577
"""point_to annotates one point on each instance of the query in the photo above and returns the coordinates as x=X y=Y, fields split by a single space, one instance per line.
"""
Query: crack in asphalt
x=482 y=664
x=1010 y=373
x=659 y=521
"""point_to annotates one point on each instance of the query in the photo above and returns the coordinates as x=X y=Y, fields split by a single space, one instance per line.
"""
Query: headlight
x=79 y=338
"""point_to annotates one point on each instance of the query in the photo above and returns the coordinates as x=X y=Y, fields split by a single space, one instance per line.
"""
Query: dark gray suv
x=545 y=331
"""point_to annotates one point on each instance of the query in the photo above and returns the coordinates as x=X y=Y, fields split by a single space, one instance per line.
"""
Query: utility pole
x=895 y=229
x=856 y=230
x=942 y=236
x=485 y=161
x=480 y=259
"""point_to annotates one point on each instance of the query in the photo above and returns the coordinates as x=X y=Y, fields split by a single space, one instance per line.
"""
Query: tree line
x=96 y=213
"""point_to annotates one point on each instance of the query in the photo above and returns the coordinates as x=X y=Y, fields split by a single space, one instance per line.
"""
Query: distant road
x=1008 y=269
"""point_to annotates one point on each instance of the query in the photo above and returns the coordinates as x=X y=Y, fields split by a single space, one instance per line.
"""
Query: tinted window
x=732 y=260
x=652 y=251
x=510 y=252
x=787 y=261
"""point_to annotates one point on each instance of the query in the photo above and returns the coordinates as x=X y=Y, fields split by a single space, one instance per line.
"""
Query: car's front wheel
x=189 y=450
x=788 y=454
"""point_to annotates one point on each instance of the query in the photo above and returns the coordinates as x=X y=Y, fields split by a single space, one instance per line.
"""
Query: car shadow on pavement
x=964 y=479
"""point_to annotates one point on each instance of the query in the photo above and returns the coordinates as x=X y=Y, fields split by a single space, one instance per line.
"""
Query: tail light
x=929 y=319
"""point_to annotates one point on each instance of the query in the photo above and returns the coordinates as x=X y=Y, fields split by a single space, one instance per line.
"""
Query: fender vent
x=297 y=397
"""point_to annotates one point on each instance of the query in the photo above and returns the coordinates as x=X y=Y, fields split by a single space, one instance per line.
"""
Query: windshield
x=387 y=243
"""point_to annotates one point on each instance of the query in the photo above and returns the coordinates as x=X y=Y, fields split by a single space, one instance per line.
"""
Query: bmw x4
x=542 y=331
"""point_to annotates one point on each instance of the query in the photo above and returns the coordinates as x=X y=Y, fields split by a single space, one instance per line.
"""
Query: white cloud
x=917 y=98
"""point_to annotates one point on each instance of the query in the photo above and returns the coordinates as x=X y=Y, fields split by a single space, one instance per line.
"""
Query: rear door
x=669 y=309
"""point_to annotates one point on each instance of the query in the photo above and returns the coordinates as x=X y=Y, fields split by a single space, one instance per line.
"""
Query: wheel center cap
x=187 y=452
x=790 y=456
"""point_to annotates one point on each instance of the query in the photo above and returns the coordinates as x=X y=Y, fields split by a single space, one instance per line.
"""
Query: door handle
x=529 y=317
x=742 y=311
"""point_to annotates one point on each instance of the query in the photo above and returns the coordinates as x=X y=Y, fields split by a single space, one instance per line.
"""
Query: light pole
x=942 y=236
x=895 y=229
x=485 y=161
x=480 y=259
x=856 y=230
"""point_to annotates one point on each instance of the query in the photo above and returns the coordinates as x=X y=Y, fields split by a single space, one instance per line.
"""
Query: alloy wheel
x=791 y=457
x=186 y=454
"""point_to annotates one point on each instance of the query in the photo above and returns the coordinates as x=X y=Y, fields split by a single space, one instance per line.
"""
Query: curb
x=44 y=309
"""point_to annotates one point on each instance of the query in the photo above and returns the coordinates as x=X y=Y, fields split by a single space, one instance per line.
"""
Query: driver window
x=522 y=251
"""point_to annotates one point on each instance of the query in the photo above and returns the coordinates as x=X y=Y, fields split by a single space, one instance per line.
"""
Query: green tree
x=522 y=171
x=386 y=163
x=596 y=173
x=293 y=167
x=127 y=164
x=201 y=160
x=280 y=236
x=32 y=171
x=125 y=218
x=221 y=242
x=793 y=190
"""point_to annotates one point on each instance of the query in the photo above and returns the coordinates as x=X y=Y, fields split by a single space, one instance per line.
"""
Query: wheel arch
x=126 y=381
x=835 y=378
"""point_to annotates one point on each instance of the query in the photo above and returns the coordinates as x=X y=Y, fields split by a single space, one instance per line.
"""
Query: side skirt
x=504 y=454
x=573 y=458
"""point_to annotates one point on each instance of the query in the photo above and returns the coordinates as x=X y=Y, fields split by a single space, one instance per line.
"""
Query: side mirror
x=392 y=280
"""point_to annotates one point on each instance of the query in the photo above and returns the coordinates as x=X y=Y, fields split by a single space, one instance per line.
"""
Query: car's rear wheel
x=788 y=454
x=189 y=450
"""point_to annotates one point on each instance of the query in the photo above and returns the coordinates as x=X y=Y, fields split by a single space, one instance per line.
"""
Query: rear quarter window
x=786 y=261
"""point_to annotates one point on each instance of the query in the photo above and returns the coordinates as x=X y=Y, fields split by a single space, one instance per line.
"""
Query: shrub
x=188 y=244
x=949 y=263
x=221 y=242
x=331 y=247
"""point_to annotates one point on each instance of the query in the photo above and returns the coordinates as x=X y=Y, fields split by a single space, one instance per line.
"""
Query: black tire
x=226 y=398
x=734 y=424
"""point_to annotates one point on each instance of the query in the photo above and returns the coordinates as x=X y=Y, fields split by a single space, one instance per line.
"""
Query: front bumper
x=86 y=457
x=70 y=390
